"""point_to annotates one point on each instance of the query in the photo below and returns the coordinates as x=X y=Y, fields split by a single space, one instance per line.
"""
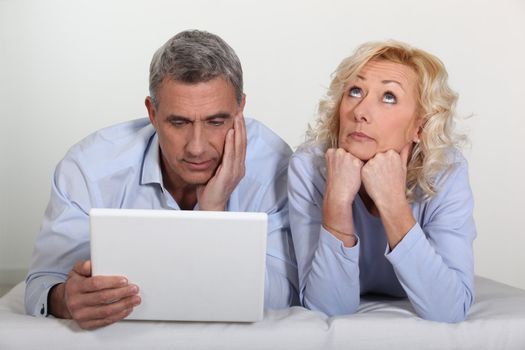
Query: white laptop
x=189 y=265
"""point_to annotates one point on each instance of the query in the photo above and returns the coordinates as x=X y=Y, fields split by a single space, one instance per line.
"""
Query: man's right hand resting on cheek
x=93 y=301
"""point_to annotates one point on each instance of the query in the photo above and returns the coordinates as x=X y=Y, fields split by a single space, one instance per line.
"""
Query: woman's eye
x=389 y=98
x=354 y=92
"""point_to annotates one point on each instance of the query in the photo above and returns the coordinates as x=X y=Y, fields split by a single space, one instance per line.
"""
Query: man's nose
x=196 y=142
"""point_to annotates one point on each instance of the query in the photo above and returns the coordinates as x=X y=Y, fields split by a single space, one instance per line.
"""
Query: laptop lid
x=189 y=265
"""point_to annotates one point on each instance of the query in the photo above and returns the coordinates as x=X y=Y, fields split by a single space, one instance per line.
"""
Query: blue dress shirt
x=118 y=167
x=433 y=265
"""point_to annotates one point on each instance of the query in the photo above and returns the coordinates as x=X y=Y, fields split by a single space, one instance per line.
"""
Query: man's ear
x=243 y=103
x=151 y=111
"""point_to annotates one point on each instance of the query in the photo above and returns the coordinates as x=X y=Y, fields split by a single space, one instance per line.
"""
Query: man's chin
x=198 y=179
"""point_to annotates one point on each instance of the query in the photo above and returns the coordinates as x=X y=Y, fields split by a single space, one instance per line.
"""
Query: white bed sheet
x=496 y=321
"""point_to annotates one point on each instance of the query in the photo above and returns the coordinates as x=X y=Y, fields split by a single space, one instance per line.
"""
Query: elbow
x=330 y=309
x=448 y=317
x=448 y=313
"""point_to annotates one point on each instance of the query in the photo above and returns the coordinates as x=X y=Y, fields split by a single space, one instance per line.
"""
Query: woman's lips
x=359 y=136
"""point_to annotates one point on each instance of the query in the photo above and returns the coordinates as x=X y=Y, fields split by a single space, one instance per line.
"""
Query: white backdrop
x=68 y=68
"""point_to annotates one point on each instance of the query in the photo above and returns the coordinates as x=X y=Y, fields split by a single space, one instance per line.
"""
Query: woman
x=379 y=194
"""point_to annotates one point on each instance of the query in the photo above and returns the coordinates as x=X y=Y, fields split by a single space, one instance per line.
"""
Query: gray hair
x=195 y=56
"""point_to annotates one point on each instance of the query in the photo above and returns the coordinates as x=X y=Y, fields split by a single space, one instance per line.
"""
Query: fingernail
x=134 y=289
x=123 y=282
x=136 y=300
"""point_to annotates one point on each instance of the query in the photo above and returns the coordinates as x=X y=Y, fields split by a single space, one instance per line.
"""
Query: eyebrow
x=220 y=115
x=394 y=82
x=384 y=81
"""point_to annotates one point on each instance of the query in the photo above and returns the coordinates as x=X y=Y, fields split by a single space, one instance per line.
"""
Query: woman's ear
x=416 y=138
x=417 y=132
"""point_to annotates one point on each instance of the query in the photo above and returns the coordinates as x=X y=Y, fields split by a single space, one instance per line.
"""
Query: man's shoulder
x=267 y=156
x=262 y=140
x=107 y=148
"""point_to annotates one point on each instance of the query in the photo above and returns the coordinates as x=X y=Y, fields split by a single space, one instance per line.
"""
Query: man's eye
x=389 y=97
x=178 y=122
x=218 y=122
x=355 y=92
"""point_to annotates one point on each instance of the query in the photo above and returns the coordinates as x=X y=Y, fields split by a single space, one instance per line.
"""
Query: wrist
x=393 y=209
x=348 y=238
x=210 y=207
x=56 y=301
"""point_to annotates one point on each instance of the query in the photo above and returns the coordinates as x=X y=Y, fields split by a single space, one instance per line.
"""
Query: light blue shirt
x=118 y=167
x=433 y=264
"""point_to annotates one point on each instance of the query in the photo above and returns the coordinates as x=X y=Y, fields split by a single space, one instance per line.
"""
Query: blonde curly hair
x=436 y=102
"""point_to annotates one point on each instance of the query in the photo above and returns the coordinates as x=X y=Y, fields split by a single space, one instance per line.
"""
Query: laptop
x=189 y=265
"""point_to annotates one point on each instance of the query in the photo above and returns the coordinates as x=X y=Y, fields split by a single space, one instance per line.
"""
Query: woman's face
x=378 y=111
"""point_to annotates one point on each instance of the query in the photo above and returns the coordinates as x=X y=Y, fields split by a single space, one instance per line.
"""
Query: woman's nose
x=362 y=111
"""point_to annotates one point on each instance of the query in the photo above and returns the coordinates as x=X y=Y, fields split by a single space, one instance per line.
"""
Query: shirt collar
x=151 y=172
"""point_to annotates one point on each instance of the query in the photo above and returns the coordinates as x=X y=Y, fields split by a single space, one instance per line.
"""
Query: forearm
x=397 y=219
x=332 y=283
x=437 y=291
x=280 y=290
x=338 y=220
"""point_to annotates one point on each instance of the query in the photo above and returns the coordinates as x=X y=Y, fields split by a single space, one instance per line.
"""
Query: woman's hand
x=343 y=180
x=384 y=178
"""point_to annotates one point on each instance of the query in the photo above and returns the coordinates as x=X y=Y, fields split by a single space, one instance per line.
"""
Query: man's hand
x=216 y=193
x=93 y=301
x=343 y=180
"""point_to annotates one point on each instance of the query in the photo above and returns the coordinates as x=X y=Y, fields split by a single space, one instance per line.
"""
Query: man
x=196 y=151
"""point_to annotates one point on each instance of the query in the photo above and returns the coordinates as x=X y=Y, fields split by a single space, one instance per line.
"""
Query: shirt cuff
x=403 y=248
x=328 y=239
x=45 y=283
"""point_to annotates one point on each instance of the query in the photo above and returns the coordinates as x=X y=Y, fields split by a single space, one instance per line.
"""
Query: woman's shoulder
x=309 y=154
x=453 y=178
x=456 y=163
x=308 y=160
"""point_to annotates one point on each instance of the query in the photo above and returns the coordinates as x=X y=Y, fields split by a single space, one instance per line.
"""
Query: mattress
x=496 y=321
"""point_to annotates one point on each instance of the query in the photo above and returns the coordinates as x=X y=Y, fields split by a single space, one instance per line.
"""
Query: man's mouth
x=198 y=165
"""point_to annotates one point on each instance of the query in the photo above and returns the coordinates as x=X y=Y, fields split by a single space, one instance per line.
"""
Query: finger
x=405 y=152
x=328 y=156
x=228 y=155
x=240 y=139
x=97 y=283
x=107 y=311
x=108 y=296
x=92 y=324
x=358 y=163
x=201 y=188
x=82 y=268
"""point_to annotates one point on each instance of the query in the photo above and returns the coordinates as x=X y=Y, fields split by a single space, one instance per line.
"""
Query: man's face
x=191 y=122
